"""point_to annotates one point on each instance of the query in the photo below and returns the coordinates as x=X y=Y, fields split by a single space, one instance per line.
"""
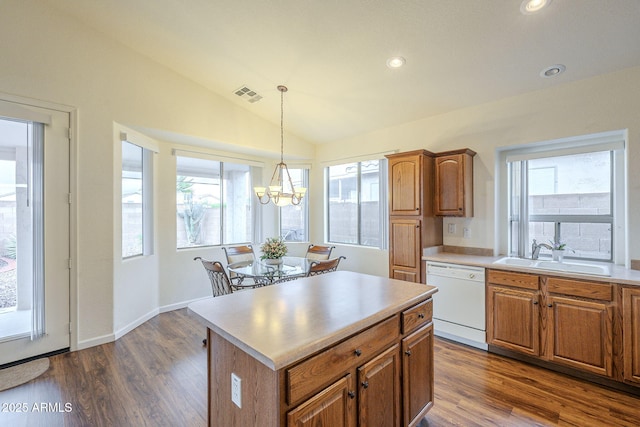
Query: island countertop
x=281 y=324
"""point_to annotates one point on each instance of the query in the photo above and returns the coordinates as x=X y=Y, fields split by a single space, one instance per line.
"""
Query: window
x=136 y=200
x=566 y=195
x=213 y=202
x=294 y=219
x=357 y=203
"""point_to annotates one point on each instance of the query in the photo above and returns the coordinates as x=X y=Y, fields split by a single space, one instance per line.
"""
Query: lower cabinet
x=417 y=365
x=378 y=383
x=513 y=321
x=631 y=334
x=379 y=390
x=560 y=320
x=580 y=334
x=333 y=406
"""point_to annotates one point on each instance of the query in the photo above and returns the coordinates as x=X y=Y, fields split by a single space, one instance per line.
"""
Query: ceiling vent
x=248 y=94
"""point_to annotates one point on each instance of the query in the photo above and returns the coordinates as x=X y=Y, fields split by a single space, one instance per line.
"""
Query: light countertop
x=281 y=324
x=619 y=274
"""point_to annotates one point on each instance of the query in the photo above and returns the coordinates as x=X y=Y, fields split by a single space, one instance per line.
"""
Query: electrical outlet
x=236 y=390
x=466 y=233
x=452 y=228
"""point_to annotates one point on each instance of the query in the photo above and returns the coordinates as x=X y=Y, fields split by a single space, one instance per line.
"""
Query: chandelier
x=281 y=190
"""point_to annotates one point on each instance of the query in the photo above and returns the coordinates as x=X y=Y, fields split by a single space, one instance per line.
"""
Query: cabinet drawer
x=580 y=288
x=517 y=280
x=320 y=370
x=417 y=315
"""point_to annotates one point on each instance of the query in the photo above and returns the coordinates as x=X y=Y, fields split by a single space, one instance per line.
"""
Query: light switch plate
x=452 y=228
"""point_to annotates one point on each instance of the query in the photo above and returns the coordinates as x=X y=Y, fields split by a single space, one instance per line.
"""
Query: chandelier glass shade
x=281 y=190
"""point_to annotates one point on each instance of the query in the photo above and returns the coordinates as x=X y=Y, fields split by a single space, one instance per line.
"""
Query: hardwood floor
x=475 y=388
x=156 y=376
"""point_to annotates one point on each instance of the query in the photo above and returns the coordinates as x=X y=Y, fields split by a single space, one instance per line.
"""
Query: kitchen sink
x=599 y=270
x=565 y=267
x=522 y=262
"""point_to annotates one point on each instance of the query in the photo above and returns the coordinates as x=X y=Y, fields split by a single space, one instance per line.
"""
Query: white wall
x=49 y=56
x=605 y=103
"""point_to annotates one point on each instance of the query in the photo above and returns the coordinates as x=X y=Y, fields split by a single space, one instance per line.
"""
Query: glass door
x=34 y=232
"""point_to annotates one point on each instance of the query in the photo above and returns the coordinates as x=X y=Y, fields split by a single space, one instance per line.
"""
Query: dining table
x=265 y=272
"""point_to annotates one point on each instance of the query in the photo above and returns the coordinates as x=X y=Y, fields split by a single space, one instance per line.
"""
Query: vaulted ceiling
x=332 y=54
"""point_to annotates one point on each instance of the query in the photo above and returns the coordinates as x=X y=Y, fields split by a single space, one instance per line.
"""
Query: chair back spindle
x=220 y=283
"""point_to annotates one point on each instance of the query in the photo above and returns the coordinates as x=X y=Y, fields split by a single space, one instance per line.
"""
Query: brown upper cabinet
x=411 y=183
x=454 y=183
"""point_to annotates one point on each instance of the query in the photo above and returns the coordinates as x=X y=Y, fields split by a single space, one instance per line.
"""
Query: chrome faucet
x=535 y=248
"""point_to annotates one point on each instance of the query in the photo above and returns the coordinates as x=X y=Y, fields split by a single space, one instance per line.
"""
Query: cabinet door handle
x=352 y=394
x=358 y=352
x=549 y=305
x=408 y=352
x=365 y=384
x=535 y=303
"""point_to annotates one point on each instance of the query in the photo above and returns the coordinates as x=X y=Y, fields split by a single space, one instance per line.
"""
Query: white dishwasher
x=459 y=304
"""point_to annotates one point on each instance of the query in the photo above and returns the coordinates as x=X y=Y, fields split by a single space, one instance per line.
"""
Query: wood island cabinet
x=390 y=391
x=417 y=364
x=412 y=222
x=564 y=321
x=454 y=183
x=300 y=368
x=333 y=406
x=631 y=334
x=379 y=390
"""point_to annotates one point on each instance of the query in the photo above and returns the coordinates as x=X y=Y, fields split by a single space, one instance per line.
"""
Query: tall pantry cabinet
x=412 y=222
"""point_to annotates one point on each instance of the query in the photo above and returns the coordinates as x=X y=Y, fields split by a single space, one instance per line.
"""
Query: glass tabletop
x=260 y=271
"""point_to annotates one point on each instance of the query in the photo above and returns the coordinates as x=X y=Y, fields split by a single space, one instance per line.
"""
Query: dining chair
x=319 y=252
x=220 y=283
x=238 y=254
x=324 y=266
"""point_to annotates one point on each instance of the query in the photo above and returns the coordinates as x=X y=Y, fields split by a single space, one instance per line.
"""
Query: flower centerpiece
x=273 y=249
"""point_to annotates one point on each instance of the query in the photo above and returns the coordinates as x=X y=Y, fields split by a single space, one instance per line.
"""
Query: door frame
x=73 y=205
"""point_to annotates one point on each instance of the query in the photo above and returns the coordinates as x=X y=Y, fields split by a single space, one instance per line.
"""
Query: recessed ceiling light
x=396 y=62
x=529 y=7
x=552 y=71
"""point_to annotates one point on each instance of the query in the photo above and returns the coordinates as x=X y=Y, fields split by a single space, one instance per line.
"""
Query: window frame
x=146 y=177
x=524 y=219
x=615 y=141
x=222 y=161
x=382 y=201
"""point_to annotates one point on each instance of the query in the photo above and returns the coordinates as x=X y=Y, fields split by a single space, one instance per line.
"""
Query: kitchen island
x=340 y=349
